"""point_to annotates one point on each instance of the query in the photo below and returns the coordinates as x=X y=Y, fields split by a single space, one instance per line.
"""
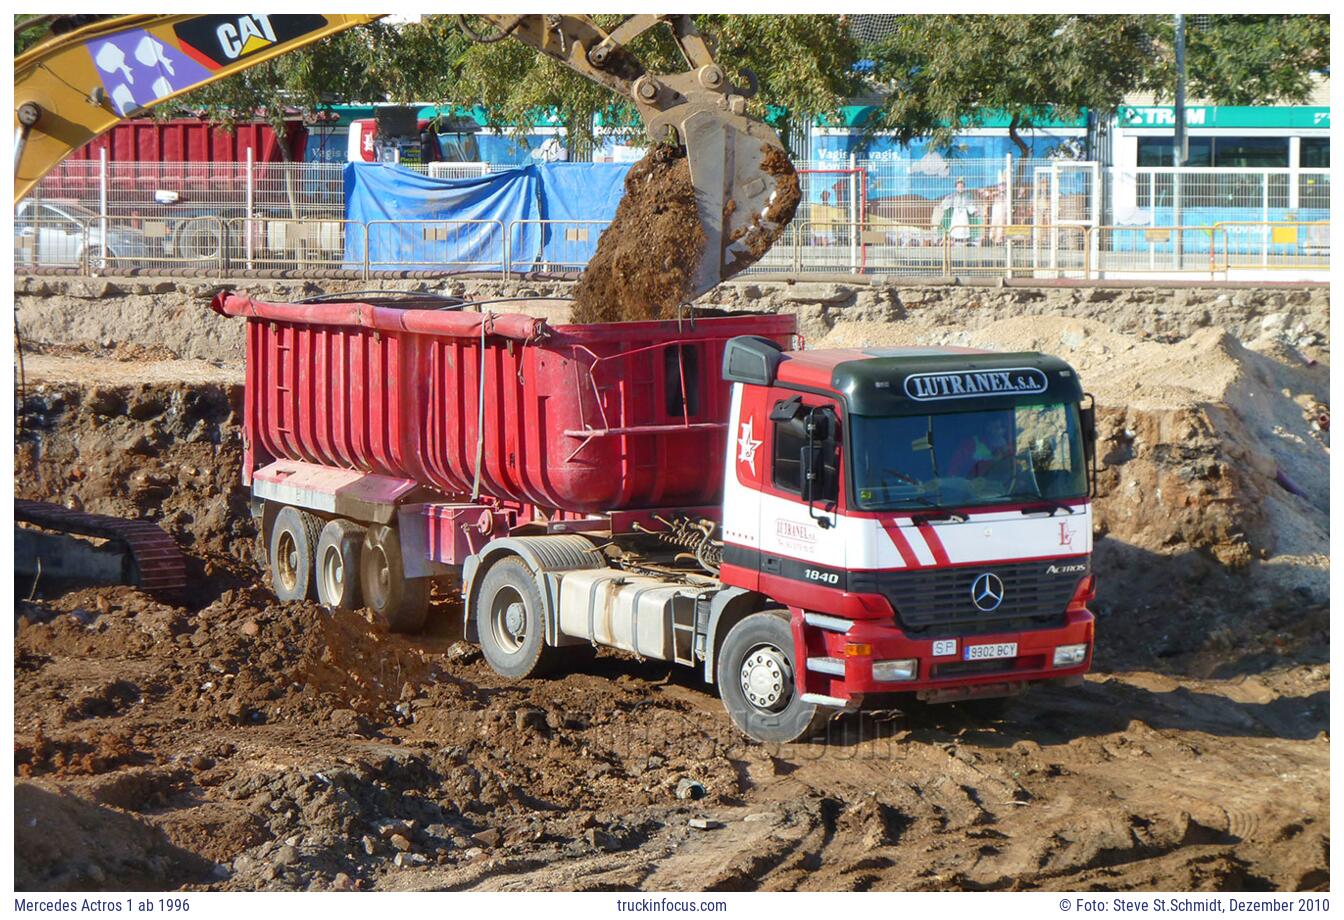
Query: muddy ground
x=233 y=742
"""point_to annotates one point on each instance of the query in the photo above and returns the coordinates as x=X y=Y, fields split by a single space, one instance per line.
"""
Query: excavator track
x=160 y=567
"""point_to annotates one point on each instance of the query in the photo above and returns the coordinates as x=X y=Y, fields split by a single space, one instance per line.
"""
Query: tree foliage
x=938 y=72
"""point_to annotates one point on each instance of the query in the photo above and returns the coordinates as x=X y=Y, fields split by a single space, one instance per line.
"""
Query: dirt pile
x=646 y=260
x=161 y=450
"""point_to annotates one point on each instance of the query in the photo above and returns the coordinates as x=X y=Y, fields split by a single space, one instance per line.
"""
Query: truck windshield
x=995 y=456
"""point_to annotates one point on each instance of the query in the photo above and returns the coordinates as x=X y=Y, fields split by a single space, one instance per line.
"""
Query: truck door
x=802 y=541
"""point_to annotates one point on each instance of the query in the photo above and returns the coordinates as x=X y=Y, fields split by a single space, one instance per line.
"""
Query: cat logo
x=248 y=36
x=216 y=41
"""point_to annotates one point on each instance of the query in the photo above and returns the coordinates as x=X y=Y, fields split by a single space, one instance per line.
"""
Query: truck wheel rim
x=333 y=574
x=767 y=678
x=287 y=561
x=508 y=619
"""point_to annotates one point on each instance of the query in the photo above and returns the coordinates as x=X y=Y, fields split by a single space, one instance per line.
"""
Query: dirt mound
x=646 y=260
x=168 y=450
x=65 y=843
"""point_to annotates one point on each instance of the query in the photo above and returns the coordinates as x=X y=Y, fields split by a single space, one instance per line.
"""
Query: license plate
x=997 y=650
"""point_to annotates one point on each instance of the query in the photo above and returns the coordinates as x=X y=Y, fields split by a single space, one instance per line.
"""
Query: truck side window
x=790 y=438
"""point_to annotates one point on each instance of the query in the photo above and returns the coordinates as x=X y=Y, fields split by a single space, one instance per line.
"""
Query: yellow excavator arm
x=72 y=87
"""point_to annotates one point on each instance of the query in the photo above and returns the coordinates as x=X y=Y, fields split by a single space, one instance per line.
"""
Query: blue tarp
x=381 y=192
x=572 y=193
x=568 y=193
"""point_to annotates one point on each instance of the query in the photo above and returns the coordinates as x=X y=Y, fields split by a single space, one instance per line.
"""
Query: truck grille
x=933 y=602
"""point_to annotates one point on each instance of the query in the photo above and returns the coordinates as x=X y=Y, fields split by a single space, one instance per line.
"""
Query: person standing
x=955 y=212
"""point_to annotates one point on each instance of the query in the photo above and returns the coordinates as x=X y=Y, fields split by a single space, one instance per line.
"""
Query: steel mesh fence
x=933 y=216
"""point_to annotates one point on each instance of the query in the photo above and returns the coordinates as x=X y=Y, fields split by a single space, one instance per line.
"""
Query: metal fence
x=928 y=217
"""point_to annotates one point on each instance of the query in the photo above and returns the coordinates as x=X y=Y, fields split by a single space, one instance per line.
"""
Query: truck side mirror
x=1087 y=418
x=816 y=461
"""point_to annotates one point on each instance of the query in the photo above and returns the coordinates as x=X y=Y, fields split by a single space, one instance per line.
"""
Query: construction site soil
x=233 y=742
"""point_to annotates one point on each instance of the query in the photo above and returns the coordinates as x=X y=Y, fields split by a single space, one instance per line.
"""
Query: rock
x=370 y=845
x=602 y=840
x=392 y=827
x=400 y=842
x=462 y=652
x=472 y=853
x=490 y=837
x=655 y=761
x=402 y=860
x=688 y=789
x=250 y=628
x=531 y=719
x=704 y=824
x=286 y=856
x=342 y=882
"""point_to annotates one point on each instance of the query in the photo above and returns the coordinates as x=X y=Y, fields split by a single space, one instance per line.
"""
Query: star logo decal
x=746 y=446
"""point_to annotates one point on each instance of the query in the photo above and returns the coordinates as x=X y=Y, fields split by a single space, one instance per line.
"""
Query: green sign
x=1225 y=116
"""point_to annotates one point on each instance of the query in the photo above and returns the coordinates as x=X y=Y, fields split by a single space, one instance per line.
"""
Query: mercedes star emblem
x=987 y=592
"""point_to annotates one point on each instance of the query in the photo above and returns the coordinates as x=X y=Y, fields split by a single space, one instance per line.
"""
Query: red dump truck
x=810 y=528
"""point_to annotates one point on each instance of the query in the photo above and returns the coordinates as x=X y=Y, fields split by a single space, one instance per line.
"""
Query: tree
x=937 y=74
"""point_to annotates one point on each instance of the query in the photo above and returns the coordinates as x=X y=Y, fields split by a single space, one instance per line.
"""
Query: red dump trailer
x=809 y=528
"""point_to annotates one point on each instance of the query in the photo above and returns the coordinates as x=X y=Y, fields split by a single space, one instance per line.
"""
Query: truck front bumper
x=840 y=663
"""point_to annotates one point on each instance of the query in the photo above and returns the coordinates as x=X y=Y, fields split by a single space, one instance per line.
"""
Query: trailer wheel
x=338 y=555
x=399 y=602
x=509 y=621
x=293 y=543
x=756 y=676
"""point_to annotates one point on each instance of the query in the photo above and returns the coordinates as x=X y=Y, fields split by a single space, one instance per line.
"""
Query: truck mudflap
x=848 y=659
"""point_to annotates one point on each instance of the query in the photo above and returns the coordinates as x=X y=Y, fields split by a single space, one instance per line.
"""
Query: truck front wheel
x=399 y=602
x=509 y=621
x=757 y=681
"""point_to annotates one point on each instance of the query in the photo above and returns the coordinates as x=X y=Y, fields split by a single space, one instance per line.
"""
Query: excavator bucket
x=746 y=191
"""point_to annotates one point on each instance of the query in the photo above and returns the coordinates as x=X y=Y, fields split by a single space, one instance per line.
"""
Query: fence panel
x=1273 y=246
x=428 y=245
x=1120 y=252
x=284 y=244
x=553 y=245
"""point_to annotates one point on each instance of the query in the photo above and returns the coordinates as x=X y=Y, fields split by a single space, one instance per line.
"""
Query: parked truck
x=806 y=528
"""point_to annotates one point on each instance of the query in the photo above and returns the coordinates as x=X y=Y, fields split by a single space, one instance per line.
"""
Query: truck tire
x=398 y=602
x=756 y=675
x=293 y=545
x=509 y=621
x=337 y=565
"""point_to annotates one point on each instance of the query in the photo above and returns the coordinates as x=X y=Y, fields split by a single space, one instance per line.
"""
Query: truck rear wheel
x=338 y=550
x=509 y=621
x=757 y=683
x=293 y=544
x=398 y=602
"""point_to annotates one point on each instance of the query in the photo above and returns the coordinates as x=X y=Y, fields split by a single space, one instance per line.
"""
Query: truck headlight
x=897 y=669
x=1066 y=655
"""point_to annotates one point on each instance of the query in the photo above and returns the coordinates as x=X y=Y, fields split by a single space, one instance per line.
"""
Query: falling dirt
x=239 y=743
x=646 y=260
